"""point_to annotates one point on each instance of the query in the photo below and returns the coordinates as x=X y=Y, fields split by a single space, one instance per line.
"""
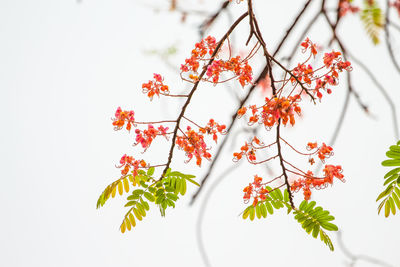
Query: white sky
x=64 y=69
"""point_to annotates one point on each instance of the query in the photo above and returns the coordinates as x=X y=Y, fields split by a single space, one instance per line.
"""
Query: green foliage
x=312 y=219
x=373 y=20
x=163 y=192
x=274 y=200
x=111 y=190
x=391 y=195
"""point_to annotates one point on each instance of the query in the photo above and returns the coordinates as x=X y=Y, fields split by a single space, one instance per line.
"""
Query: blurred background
x=65 y=68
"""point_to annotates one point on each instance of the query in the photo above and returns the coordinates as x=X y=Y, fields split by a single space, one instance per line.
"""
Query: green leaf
x=160 y=192
x=393 y=155
x=246 y=212
x=149 y=196
x=326 y=218
x=172 y=196
x=391 y=179
x=278 y=194
x=391 y=162
x=143 y=184
x=263 y=210
x=392 y=205
x=170 y=203
x=258 y=211
x=137 y=214
x=178 y=186
x=145 y=204
x=150 y=171
x=286 y=196
x=303 y=204
x=137 y=192
x=269 y=207
x=396 y=200
x=395 y=148
x=192 y=181
x=133 y=197
x=168 y=172
x=183 y=187
x=386 y=192
x=141 y=209
x=329 y=226
x=252 y=213
x=310 y=206
x=315 y=230
x=387 y=209
x=130 y=203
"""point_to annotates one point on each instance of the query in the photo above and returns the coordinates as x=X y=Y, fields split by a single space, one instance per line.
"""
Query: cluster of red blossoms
x=239 y=67
x=204 y=47
x=248 y=151
x=146 y=137
x=323 y=152
x=255 y=190
x=193 y=143
x=306 y=74
x=143 y=137
x=275 y=109
x=213 y=128
x=309 y=181
x=123 y=116
x=128 y=162
x=396 y=5
x=155 y=87
x=345 y=7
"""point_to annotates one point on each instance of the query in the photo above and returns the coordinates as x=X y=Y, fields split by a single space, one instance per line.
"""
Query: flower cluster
x=248 y=151
x=396 y=5
x=193 y=144
x=123 y=116
x=155 y=87
x=239 y=67
x=309 y=181
x=345 y=6
x=323 y=152
x=146 y=137
x=256 y=190
x=128 y=162
x=307 y=75
x=275 y=109
x=236 y=65
x=203 y=48
x=213 y=128
x=308 y=45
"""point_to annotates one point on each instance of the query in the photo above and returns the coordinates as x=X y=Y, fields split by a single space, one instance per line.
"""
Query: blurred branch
x=387 y=38
x=354 y=258
x=199 y=233
x=382 y=90
x=208 y=22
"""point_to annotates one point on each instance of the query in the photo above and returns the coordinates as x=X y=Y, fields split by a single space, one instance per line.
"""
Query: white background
x=64 y=69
